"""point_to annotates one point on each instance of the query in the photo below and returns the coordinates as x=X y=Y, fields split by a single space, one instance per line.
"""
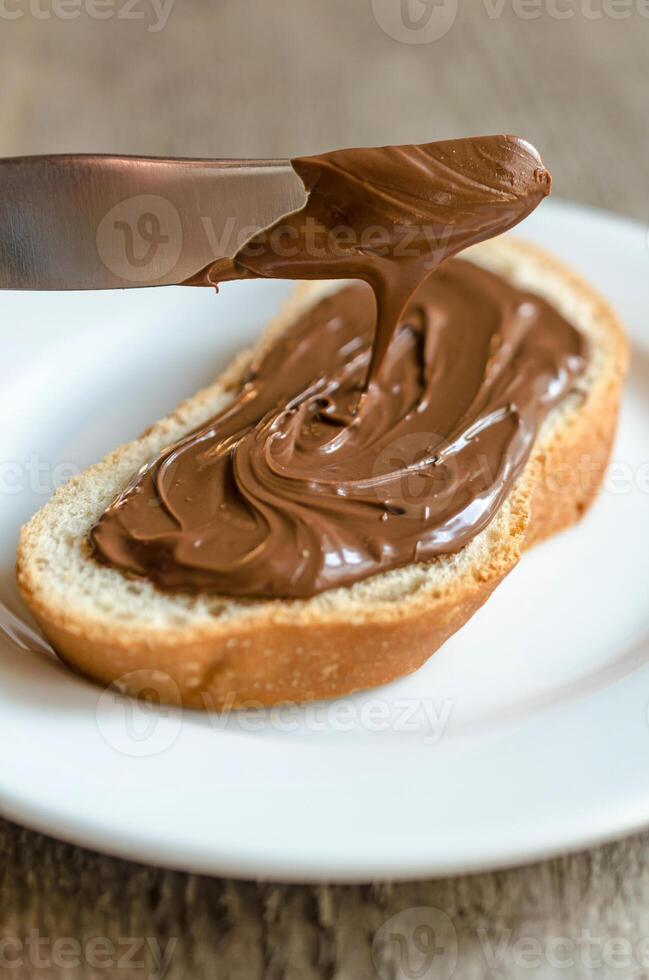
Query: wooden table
x=250 y=78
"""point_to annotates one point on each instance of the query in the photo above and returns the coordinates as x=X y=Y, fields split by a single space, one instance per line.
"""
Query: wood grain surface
x=255 y=78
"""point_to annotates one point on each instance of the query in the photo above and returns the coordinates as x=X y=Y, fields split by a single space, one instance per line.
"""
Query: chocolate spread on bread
x=388 y=422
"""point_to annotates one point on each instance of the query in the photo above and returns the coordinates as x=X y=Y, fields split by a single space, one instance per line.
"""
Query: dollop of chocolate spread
x=300 y=485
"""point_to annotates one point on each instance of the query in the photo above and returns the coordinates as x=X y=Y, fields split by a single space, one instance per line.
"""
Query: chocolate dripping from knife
x=390 y=216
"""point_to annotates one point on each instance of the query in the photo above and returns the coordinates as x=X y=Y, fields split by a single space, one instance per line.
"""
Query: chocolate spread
x=390 y=215
x=299 y=486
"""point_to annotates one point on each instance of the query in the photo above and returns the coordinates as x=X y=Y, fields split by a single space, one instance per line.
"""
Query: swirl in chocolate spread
x=293 y=489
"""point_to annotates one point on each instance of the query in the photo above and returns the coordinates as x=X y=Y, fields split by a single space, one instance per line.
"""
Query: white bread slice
x=212 y=652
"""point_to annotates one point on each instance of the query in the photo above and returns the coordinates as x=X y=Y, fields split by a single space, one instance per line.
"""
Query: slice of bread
x=214 y=652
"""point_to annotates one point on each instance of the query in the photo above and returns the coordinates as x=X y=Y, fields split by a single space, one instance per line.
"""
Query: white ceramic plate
x=526 y=735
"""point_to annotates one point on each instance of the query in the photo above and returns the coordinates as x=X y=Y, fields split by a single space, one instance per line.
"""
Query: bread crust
x=283 y=656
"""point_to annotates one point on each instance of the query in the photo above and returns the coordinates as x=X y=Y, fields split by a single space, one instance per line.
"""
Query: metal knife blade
x=106 y=222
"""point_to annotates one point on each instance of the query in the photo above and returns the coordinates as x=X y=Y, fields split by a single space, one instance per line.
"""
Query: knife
x=111 y=222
